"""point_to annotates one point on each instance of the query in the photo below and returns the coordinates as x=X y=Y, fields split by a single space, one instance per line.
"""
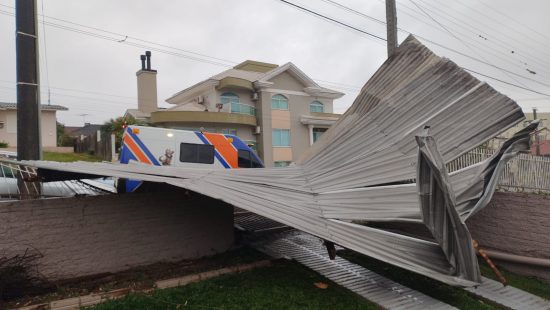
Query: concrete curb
x=95 y=298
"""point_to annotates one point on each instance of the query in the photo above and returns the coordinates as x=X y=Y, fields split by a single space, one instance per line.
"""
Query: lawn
x=68 y=157
x=454 y=296
x=284 y=285
x=528 y=284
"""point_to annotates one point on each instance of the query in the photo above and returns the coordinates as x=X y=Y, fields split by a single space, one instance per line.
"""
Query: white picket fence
x=523 y=173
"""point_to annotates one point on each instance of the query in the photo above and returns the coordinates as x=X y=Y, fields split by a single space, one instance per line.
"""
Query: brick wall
x=515 y=223
x=91 y=235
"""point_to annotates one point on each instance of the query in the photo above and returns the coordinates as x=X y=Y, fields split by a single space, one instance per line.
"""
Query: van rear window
x=196 y=153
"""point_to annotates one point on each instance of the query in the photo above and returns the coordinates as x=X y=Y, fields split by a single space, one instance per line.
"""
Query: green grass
x=451 y=295
x=529 y=284
x=285 y=285
x=68 y=157
x=139 y=278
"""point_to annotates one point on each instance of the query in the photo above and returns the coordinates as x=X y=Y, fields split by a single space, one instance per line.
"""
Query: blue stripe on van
x=216 y=154
x=143 y=147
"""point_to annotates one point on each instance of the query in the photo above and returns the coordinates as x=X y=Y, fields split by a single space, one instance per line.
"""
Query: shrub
x=19 y=276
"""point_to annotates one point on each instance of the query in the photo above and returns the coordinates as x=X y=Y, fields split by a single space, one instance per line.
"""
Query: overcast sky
x=91 y=72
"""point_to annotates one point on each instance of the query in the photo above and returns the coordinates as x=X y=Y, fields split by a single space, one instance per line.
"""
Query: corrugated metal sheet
x=349 y=170
x=389 y=294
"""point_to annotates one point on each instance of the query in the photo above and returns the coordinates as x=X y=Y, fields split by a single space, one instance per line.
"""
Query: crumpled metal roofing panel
x=363 y=166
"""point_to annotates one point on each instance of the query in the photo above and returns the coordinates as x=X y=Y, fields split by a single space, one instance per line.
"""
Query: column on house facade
x=310 y=128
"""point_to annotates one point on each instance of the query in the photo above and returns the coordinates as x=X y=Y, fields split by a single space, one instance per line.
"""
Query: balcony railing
x=242 y=108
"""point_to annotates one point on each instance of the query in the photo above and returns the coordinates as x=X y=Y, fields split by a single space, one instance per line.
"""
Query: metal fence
x=19 y=182
x=524 y=172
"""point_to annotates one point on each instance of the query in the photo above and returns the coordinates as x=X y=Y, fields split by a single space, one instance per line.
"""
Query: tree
x=116 y=126
x=62 y=138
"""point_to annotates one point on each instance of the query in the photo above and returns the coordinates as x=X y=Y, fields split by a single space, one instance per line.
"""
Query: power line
x=46 y=53
x=508 y=83
x=117 y=40
x=123 y=36
x=431 y=41
x=453 y=50
x=531 y=40
x=459 y=39
x=100 y=101
x=511 y=51
x=292 y=5
x=229 y=63
x=517 y=22
x=78 y=90
x=332 y=20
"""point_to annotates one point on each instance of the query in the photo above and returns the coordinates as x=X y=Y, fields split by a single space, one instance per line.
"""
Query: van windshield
x=247 y=160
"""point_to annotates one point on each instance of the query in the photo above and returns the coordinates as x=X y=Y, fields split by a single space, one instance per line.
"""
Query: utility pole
x=537 y=138
x=391 y=26
x=29 y=146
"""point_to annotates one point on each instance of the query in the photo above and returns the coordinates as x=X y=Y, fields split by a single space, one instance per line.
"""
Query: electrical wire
x=432 y=42
x=487 y=38
x=297 y=7
x=465 y=55
x=228 y=63
x=461 y=41
x=332 y=20
x=46 y=53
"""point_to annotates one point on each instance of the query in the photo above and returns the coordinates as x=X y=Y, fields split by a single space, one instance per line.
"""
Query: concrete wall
x=517 y=224
x=92 y=235
x=47 y=123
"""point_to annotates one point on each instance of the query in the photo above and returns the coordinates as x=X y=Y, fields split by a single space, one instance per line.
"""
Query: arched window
x=226 y=98
x=316 y=106
x=279 y=102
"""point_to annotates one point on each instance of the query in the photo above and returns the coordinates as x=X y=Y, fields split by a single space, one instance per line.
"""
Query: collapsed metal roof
x=364 y=168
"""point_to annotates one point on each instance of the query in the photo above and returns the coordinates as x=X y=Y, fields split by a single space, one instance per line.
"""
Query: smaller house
x=84 y=131
x=48 y=123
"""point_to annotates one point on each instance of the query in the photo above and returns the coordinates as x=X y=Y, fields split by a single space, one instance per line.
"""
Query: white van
x=185 y=148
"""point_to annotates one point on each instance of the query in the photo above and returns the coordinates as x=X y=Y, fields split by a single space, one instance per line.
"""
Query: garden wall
x=516 y=223
x=91 y=235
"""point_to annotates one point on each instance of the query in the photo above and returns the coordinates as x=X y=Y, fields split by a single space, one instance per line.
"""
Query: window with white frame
x=279 y=102
x=318 y=132
x=316 y=106
x=281 y=137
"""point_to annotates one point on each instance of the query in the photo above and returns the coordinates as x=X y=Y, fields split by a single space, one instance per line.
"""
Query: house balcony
x=187 y=117
x=242 y=108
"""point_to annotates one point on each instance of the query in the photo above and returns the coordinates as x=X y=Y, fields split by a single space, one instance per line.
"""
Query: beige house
x=48 y=122
x=278 y=110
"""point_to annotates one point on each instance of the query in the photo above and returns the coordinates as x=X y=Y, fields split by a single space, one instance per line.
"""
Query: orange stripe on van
x=224 y=148
x=136 y=150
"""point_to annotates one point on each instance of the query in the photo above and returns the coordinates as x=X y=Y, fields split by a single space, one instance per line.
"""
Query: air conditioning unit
x=258 y=130
x=200 y=99
x=255 y=96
